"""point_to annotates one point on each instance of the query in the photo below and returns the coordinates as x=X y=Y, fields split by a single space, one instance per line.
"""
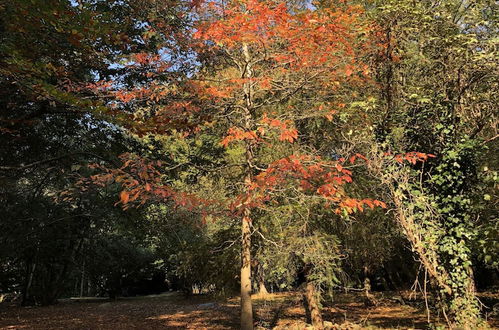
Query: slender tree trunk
x=313 y=306
x=262 y=290
x=89 y=287
x=82 y=280
x=246 y=306
x=75 y=289
x=29 y=280
x=369 y=299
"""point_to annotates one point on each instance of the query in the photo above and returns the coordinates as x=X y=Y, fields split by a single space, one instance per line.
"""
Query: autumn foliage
x=287 y=53
x=267 y=69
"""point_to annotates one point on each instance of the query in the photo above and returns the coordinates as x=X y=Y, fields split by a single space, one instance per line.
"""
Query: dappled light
x=249 y=164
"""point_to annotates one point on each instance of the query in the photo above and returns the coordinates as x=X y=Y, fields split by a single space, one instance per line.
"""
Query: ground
x=173 y=311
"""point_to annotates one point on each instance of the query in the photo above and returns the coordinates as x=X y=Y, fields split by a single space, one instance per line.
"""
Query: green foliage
x=114 y=263
x=435 y=92
x=196 y=258
x=438 y=73
x=297 y=245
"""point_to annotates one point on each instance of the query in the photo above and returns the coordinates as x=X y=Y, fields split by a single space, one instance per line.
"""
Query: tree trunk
x=262 y=290
x=89 y=287
x=246 y=306
x=369 y=299
x=312 y=306
x=466 y=311
x=29 y=280
x=460 y=301
x=82 y=283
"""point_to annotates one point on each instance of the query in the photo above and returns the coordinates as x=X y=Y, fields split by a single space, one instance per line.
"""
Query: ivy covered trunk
x=433 y=208
x=451 y=185
x=436 y=71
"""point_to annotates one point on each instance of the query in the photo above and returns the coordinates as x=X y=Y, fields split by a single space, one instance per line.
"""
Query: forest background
x=245 y=146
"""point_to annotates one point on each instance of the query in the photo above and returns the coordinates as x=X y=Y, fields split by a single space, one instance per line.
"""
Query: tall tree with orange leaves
x=263 y=71
x=272 y=68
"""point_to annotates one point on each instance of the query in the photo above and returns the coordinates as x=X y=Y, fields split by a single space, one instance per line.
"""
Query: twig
x=491 y=139
x=266 y=239
x=426 y=296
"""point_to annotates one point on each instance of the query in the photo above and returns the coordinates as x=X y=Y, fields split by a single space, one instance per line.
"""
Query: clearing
x=173 y=311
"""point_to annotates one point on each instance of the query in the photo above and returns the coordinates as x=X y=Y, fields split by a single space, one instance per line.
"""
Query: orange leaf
x=124 y=196
x=348 y=71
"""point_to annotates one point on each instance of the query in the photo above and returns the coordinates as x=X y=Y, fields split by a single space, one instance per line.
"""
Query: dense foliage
x=152 y=145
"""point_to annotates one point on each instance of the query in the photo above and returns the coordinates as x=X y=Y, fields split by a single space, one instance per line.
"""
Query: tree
x=50 y=129
x=436 y=74
x=273 y=57
x=300 y=250
x=266 y=69
x=243 y=123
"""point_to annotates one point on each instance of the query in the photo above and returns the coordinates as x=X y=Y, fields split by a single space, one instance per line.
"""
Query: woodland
x=248 y=153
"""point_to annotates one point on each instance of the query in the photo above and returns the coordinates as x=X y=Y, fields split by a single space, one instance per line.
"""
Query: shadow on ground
x=173 y=311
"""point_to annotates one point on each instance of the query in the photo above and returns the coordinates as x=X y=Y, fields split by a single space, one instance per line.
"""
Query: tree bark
x=82 y=282
x=369 y=299
x=246 y=306
x=260 y=273
x=313 y=306
x=261 y=287
x=29 y=280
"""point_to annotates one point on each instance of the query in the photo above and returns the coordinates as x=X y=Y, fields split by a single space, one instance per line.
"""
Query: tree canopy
x=205 y=146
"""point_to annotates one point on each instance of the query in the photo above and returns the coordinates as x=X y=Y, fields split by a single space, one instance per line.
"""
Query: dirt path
x=172 y=311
